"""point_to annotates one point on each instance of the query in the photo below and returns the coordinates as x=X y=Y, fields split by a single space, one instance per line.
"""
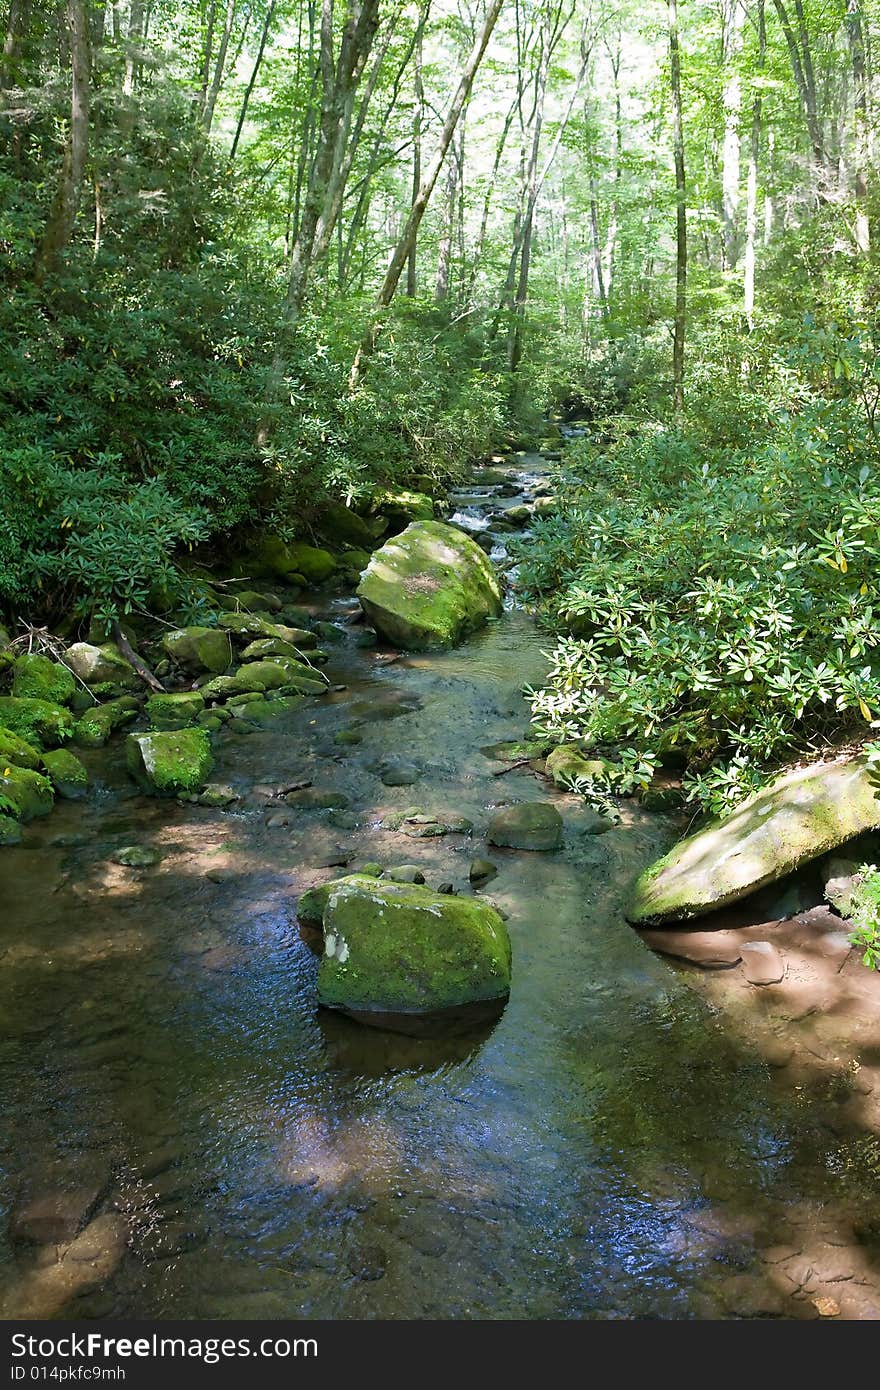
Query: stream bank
x=615 y=1146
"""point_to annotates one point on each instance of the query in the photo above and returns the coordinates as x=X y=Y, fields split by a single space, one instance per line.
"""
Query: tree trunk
x=267 y=24
x=750 y=256
x=441 y=286
x=62 y=217
x=680 y=212
x=733 y=18
x=418 y=122
x=802 y=67
x=213 y=91
x=856 y=38
x=406 y=241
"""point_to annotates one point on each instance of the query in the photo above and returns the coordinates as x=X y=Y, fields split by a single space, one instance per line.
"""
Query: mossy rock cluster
x=175 y=710
x=95 y=726
x=39 y=722
x=291 y=561
x=24 y=794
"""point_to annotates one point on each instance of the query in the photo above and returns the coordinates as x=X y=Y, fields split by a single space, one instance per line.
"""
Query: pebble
x=762 y=964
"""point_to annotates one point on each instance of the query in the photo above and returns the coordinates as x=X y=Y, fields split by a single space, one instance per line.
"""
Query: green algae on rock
x=398 y=949
x=800 y=816
x=429 y=587
x=43 y=724
x=170 y=762
x=174 y=710
x=199 y=649
x=532 y=825
x=66 y=773
x=35 y=676
x=25 y=794
x=275 y=558
x=567 y=764
x=95 y=726
x=18 y=751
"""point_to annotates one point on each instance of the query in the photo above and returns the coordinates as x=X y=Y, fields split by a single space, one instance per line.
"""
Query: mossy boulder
x=252 y=625
x=102 y=665
x=10 y=830
x=567 y=764
x=403 y=505
x=532 y=825
x=170 y=762
x=18 y=751
x=66 y=773
x=429 y=587
x=37 y=721
x=515 y=751
x=35 y=676
x=262 y=675
x=800 y=816
x=268 y=648
x=275 y=558
x=397 y=950
x=95 y=726
x=24 y=794
x=175 y=710
x=199 y=649
x=341 y=526
x=354 y=562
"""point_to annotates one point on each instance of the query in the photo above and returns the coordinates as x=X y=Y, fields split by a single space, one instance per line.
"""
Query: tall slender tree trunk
x=252 y=81
x=856 y=39
x=610 y=252
x=407 y=238
x=134 y=39
x=750 y=255
x=733 y=19
x=412 y=283
x=65 y=206
x=800 y=54
x=477 y=256
x=680 y=212
x=17 y=24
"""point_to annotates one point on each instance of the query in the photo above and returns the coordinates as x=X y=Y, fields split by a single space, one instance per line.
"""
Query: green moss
x=37 y=721
x=37 y=677
x=25 y=794
x=66 y=773
x=96 y=725
x=176 y=710
x=275 y=558
x=171 y=762
x=10 y=830
x=400 y=949
x=17 y=751
x=199 y=648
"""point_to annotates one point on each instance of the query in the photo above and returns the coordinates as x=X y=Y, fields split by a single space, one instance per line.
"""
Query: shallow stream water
x=611 y=1148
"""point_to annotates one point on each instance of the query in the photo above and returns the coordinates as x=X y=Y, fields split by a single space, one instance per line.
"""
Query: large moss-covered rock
x=799 y=817
x=276 y=558
x=429 y=587
x=262 y=675
x=101 y=665
x=533 y=825
x=35 y=676
x=175 y=710
x=403 y=505
x=170 y=763
x=17 y=751
x=567 y=764
x=199 y=649
x=43 y=724
x=95 y=726
x=24 y=794
x=393 y=950
x=268 y=648
x=66 y=773
x=341 y=526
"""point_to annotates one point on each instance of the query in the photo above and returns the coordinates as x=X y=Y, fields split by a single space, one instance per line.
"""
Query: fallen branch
x=135 y=662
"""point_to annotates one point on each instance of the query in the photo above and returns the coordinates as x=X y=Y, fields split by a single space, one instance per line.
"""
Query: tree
x=65 y=206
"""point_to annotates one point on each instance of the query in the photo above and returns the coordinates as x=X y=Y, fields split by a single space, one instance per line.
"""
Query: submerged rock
x=24 y=794
x=532 y=825
x=136 y=856
x=393 y=950
x=37 y=721
x=170 y=763
x=37 y=677
x=199 y=649
x=429 y=587
x=66 y=773
x=762 y=963
x=800 y=816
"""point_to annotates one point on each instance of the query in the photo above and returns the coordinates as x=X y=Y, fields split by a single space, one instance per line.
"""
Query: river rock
x=170 y=763
x=402 y=506
x=24 y=795
x=136 y=856
x=275 y=558
x=404 y=873
x=762 y=963
x=567 y=764
x=10 y=831
x=94 y=728
x=429 y=587
x=43 y=724
x=482 y=871
x=713 y=950
x=66 y=773
x=800 y=816
x=199 y=649
x=396 y=772
x=176 y=710
x=52 y=1217
x=394 y=949
x=339 y=525
x=35 y=676
x=101 y=665
x=268 y=648
x=18 y=751
x=532 y=825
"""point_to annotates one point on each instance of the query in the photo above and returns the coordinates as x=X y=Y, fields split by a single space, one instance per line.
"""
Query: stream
x=612 y=1147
